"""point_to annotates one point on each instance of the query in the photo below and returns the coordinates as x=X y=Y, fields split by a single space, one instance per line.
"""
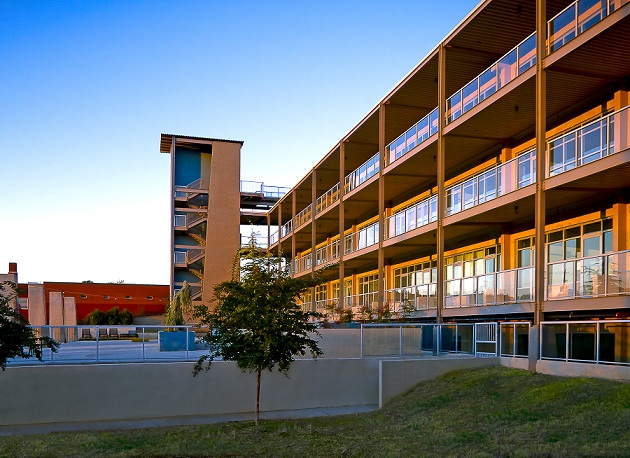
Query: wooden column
x=441 y=173
x=342 y=193
x=381 y=206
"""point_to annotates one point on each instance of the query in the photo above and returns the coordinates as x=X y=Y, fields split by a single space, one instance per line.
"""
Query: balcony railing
x=599 y=342
x=409 y=298
x=189 y=219
x=414 y=136
x=576 y=18
x=286 y=228
x=508 y=67
x=302 y=264
x=304 y=216
x=327 y=199
x=273 y=238
x=327 y=253
x=258 y=187
x=412 y=217
x=596 y=140
x=498 y=181
x=594 y=276
x=363 y=173
x=362 y=238
x=497 y=288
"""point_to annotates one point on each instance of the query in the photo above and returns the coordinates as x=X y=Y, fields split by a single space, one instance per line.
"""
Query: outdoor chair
x=86 y=334
x=113 y=333
x=102 y=333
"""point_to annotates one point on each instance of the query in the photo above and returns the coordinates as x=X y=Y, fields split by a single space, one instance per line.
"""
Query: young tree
x=257 y=322
x=16 y=339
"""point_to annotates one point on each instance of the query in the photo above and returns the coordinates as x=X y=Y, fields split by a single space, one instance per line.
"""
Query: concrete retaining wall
x=573 y=369
x=399 y=376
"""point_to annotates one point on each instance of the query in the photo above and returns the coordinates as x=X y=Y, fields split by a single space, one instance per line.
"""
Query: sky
x=87 y=87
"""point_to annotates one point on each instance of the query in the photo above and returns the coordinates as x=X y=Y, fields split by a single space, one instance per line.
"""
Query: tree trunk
x=258 y=396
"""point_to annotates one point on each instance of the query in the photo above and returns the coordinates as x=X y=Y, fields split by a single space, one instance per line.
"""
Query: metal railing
x=412 y=217
x=597 y=341
x=114 y=343
x=592 y=276
x=363 y=173
x=258 y=187
x=303 y=263
x=407 y=299
x=286 y=228
x=490 y=184
x=189 y=219
x=595 y=140
x=362 y=238
x=327 y=199
x=188 y=256
x=327 y=253
x=304 y=216
x=512 y=64
x=576 y=18
x=414 y=136
x=273 y=238
x=497 y=288
x=514 y=338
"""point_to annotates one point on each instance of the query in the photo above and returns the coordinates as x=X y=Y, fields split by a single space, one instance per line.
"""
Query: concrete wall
x=398 y=376
x=573 y=369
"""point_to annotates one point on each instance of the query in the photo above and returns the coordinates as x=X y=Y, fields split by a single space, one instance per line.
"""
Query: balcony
x=362 y=238
x=286 y=229
x=498 y=181
x=596 y=140
x=418 y=297
x=412 y=217
x=326 y=200
x=514 y=63
x=576 y=18
x=302 y=264
x=593 y=276
x=304 y=216
x=327 y=254
x=414 y=136
x=497 y=288
x=362 y=173
x=273 y=238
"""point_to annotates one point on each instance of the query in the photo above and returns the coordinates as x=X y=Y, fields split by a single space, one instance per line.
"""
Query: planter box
x=176 y=341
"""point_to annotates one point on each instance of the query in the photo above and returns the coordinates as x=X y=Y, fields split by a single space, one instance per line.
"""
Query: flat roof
x=166 y=141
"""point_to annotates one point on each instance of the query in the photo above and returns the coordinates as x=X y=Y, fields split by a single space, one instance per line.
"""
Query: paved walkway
x=179 y=421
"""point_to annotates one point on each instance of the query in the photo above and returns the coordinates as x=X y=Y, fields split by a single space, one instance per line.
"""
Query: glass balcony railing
x=327 y=253
x=362 y=238
x=363 y=173
x=286 y=229
x=414 y=136
x=273 y=238
x=607 y=135
x=496 y=288
x=498 y=181
x=604 y=275
x=302 y=264
x=326 y=200
x=576 y=18
x=304 y=216
x=511 y=65
x=418 y=297
x=412 y=217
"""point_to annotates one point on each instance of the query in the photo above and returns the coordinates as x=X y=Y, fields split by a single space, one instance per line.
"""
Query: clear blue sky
x=86 y=88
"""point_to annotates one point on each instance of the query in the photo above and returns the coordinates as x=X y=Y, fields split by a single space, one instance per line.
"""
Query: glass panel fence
x=410 y=218
x=273 y=238
x=512 y=64
x=407 y=299
x=304 y=216
x=498 y=181
x=286 y=228
x=414 y=136
x=326 y=200
x=363 y=173
x=514 y=339
x=362 y=238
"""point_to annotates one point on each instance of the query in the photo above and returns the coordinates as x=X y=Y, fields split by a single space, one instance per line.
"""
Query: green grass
x=487 y=412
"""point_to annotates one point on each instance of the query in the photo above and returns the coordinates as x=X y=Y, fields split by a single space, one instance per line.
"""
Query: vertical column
x=37 y=305
x=381 y=207
x=172 y=269
x=441 y=173
x=313 y=234
x=279 y=248
x=541 y=161
x=342 y=193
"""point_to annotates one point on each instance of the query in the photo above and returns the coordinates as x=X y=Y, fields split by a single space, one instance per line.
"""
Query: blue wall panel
x=187 y=166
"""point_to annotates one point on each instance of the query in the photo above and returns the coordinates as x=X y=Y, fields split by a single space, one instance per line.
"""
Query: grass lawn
x=486 y=412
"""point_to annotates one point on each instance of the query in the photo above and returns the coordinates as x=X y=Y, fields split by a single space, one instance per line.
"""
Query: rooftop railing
x=415 y=135
x=514 y=63
x=363 y=173
x=496 y=288
x=598 y=342
x=595 y=140
x=258 y=187
x=304 y=216
x=576 y=18
x=498 y=181
x=593 y=276
x=328 y=198
x=362 y=238
x=410 y=218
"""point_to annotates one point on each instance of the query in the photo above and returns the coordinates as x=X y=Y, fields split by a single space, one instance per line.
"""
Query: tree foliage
x=177 y=306
x=16 y=339
x=257 y=321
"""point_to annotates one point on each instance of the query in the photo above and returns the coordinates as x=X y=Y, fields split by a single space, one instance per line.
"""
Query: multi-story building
x=209 y=203
x=491 y=183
